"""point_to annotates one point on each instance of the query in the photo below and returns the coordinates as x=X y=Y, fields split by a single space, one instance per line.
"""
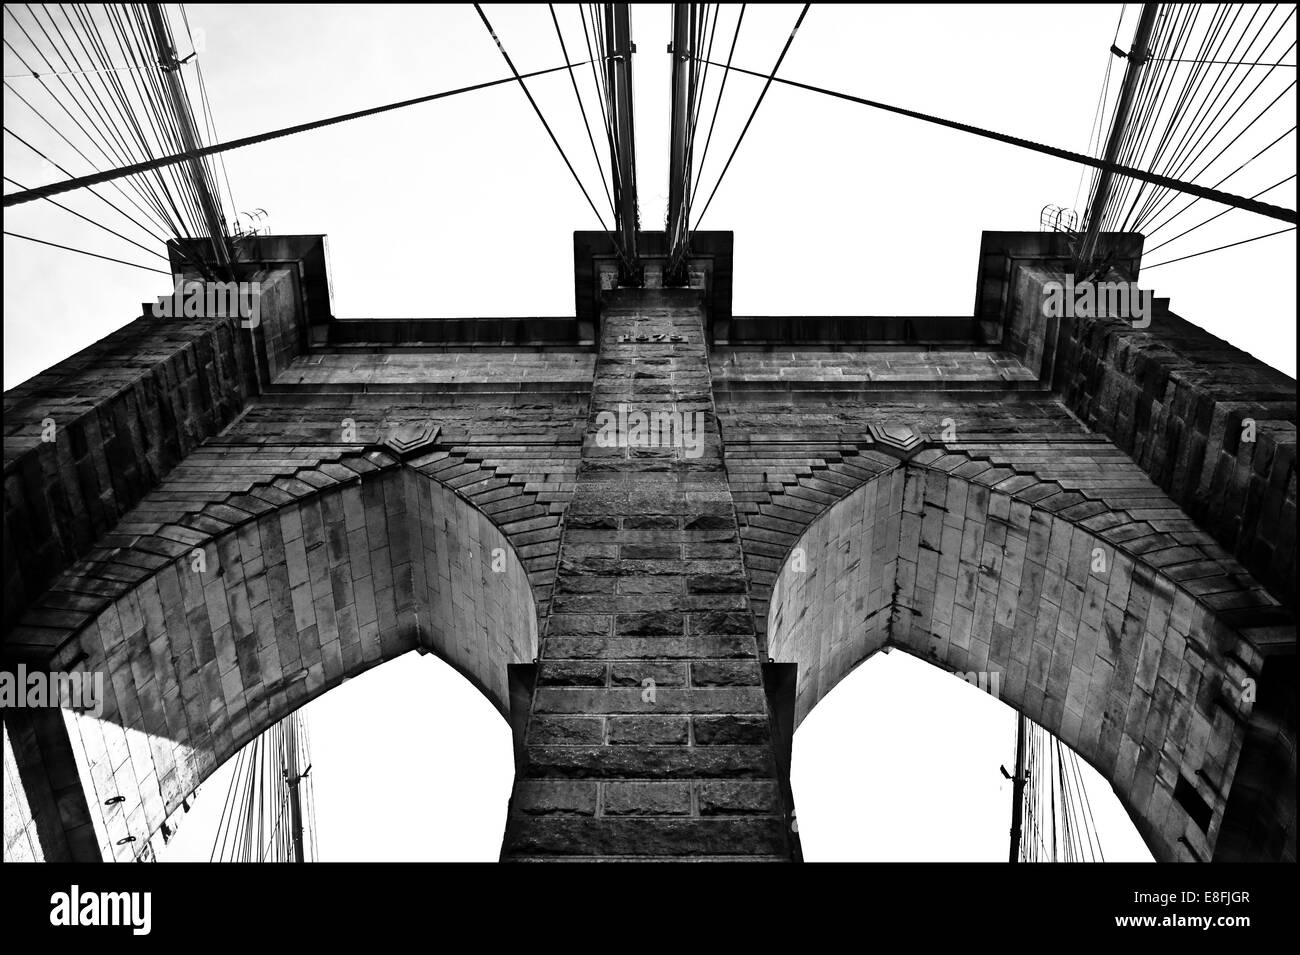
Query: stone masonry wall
x=508 y=459
x=302 y=594
x=125 y=411
x=659 y=582
x=1176 y=398
x=649 y=733
x=977 y=568
x=790 y=461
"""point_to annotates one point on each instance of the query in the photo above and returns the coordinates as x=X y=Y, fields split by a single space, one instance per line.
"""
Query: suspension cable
x=1262 y=208
x=80 y=182
x=766 y=86
x=1147 y=268
x=583 y=109
x=538 y=110
x=96 y=255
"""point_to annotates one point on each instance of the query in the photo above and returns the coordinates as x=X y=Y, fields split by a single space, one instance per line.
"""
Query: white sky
x=462 y=207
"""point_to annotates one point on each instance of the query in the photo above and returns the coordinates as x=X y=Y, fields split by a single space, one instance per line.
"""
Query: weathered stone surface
x=552 y=798
x=647 y=799
x=664 y=528
x=1086 y=521
x=737 y=798
x=653 y=730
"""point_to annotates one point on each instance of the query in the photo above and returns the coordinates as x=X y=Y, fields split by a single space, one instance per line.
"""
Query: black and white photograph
x=440 y=436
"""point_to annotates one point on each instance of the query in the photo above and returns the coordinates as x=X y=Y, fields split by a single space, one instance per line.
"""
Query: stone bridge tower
x=227 y=521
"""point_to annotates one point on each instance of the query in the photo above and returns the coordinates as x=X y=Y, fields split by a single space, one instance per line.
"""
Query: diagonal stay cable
x=1145 y=125
x=766 y=86
x=103 y=199
x=98 y=225
x=1256 y=238
x=1216 y=215
x=145 y=123
x=1180 y=170
x=538 y=110
x=1197 y=99
x=227 y=807
x=96 y=255
x=602 y=95
x=583 y=109
x=91 y=40
x=145 y=212
x=697 y=112
x=163 y=122
x=210 y=123
x=1094 y=834
x=1152 y=231
x=1172 y=34
x=688 y=169
x=1205 y=166
x=1095 y=130
x=105 y=124
x=49 y=89
x=1234 y=63
x=135 y=110
x=58 y=101
x=143 y=185
x=204 y=177
x=1195 y=119
x=1262 y=208
x=54 y=189
x=1183 y=159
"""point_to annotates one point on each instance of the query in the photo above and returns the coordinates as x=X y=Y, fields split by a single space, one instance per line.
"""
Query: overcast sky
x=463 y=207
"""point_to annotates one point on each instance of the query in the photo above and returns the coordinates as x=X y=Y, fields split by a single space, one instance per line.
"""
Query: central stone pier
x=644 y=731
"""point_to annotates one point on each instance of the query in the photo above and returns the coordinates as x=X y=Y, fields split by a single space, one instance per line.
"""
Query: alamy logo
x=1097 y=300
x=74 y=691
x=990 y=681
x=651 y=429
x=195 y=299
x=75 y=907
